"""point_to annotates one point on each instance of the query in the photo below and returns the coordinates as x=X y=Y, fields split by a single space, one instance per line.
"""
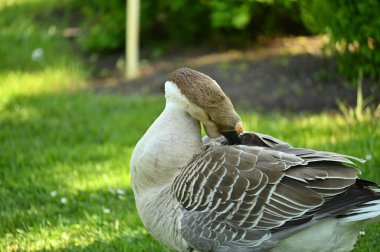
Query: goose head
x=204 y=100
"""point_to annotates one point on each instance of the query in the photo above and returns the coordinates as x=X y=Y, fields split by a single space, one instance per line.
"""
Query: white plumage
x=257 y=194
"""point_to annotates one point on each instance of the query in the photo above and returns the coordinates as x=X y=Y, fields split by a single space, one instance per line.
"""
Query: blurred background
x=307 y=72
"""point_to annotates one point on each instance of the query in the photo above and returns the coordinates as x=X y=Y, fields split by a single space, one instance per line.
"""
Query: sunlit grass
x=326 y=131
x=66 y=171
x=65 y=150
x=78 y=143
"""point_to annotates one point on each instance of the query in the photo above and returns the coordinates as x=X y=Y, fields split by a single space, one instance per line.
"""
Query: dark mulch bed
x=284 y=74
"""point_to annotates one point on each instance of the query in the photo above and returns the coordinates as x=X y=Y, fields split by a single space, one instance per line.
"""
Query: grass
x=64 y=150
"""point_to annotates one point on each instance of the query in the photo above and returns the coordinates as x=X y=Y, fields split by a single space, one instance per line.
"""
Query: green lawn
x=64 y=150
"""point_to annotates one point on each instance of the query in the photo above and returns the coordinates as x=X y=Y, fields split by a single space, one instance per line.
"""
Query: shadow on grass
x=33 y=32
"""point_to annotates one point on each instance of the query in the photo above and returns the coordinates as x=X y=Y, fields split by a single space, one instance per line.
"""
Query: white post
x=132 y=38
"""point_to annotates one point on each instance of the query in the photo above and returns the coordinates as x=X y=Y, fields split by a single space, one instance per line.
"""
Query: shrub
x=102 y=25
x=353 y=28
x=187 y=22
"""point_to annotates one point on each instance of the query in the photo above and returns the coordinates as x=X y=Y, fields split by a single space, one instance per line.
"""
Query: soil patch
x=287 y=74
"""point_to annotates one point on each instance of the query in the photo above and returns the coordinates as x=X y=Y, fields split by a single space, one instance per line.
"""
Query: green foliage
x=166 y=21
x=240 y=14
x=361 y=110
x=353 y=28
x=352 y=25
x=186 y=21
x=103 y=24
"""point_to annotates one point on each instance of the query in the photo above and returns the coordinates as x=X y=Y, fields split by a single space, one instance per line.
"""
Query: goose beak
x=233 y=136
x=239 y=127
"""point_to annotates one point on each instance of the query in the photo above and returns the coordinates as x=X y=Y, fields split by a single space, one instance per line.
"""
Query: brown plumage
x=201 y=90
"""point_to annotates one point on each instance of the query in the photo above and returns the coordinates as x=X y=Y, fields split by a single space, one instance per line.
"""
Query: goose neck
x=168 y=145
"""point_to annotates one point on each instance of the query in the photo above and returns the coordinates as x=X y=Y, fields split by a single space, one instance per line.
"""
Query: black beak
x=232 y=137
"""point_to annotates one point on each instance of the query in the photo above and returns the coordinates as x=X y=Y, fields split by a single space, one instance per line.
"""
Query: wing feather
x=242 y=195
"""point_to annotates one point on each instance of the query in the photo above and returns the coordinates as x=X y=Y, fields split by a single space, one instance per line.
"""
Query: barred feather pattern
x=244 y=195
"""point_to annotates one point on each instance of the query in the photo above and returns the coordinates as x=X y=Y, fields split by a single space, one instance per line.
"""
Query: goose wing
x=245 y=195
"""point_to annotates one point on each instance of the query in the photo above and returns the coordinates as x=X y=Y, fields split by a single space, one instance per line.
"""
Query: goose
x=236 y=190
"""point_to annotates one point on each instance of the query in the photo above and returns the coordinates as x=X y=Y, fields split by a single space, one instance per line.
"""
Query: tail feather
x=365 y=211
